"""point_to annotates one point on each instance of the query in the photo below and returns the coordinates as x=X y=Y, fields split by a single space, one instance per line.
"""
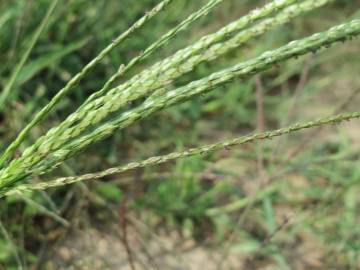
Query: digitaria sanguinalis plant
x=107 y=110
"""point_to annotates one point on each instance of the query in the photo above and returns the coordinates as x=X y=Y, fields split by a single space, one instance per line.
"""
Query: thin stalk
x=203 y=150
x=76 y=79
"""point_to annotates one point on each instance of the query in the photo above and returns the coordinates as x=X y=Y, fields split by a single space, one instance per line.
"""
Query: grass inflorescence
x=98 y=117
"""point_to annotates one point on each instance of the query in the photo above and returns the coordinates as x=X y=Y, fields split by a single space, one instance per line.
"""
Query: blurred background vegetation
x=292 y=203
